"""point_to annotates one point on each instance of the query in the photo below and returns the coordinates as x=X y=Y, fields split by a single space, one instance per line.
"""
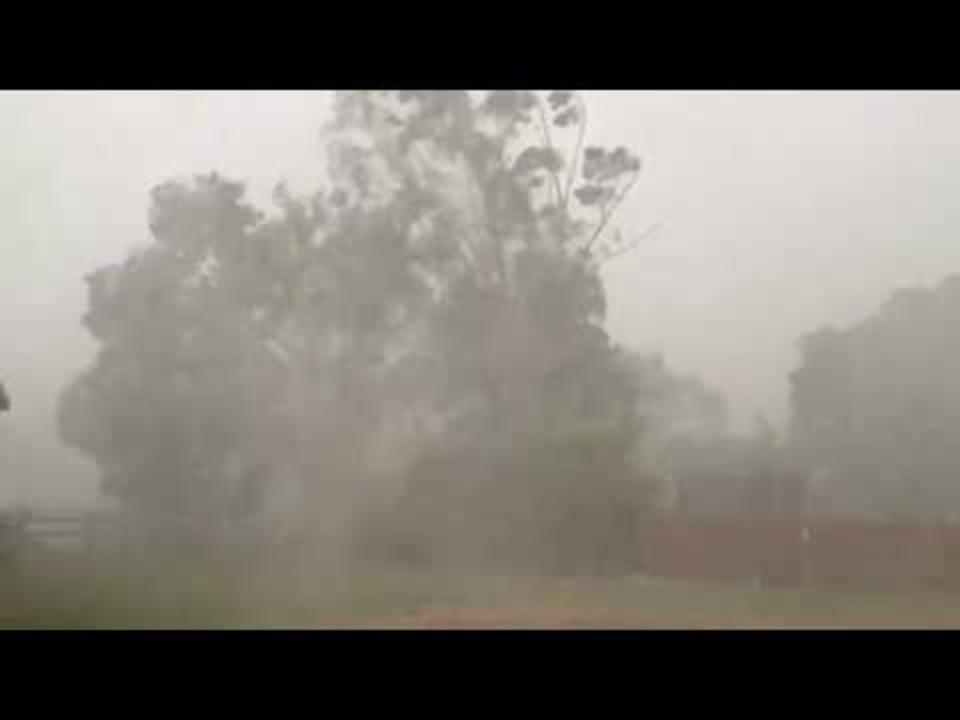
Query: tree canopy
x=876 y=408
x=441 y=290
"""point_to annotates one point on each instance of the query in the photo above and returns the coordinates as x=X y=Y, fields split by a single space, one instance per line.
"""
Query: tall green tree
x=876 y=409
x=509 y=232
x=174 y=394
x=443 y=287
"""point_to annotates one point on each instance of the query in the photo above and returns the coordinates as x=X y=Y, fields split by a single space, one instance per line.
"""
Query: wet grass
x=76 y=593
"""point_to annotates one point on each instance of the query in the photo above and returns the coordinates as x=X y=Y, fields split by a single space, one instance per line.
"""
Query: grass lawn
x=82 y=594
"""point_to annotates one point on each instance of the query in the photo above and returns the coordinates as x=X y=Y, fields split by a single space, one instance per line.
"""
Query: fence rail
x=813 y=552
x=20 y=528
x=799 y=552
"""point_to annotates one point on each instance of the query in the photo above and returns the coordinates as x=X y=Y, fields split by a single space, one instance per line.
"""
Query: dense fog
x=317 y=337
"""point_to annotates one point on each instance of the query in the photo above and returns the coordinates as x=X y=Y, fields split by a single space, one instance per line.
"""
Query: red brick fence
x=816 y=553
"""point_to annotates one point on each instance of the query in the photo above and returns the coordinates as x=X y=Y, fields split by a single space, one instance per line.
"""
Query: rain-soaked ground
x=77 y=593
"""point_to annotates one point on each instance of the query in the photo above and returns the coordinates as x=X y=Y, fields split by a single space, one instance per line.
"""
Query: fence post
x=805 y=560
x=944 y=545
x=86 y=521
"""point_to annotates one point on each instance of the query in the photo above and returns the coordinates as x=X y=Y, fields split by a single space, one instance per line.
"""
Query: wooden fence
x=81 y=529
x=812 y=552
x=808 y=552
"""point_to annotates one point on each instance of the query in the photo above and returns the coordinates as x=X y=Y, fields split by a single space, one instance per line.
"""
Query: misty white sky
x=781 y=212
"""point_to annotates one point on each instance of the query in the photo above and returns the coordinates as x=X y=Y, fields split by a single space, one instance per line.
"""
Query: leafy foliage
x=442 y=290
x=875 y=409
x=558 y=505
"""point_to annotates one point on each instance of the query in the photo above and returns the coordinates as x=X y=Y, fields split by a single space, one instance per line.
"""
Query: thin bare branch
x=544 y=126
x=633 y=243
x=575 y=160
x=612 y=211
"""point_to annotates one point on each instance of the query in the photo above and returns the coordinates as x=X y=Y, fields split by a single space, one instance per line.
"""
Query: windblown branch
x=544 y=126
x=608 y=214
x=633 y=243
x=575 y=160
